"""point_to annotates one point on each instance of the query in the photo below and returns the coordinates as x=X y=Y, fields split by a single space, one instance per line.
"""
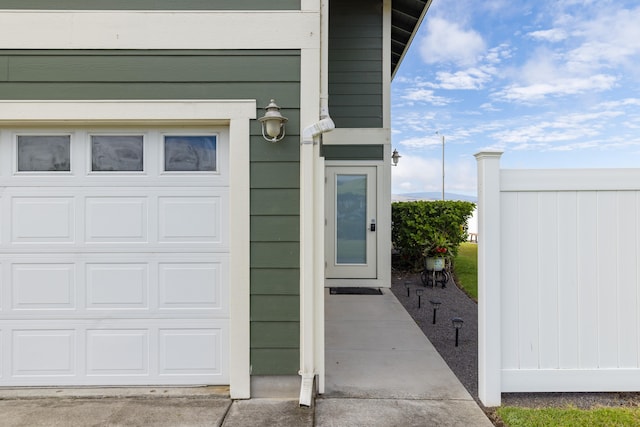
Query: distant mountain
x=432 y=195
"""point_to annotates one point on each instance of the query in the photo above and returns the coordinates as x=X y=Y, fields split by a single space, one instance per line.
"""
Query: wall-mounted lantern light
x=395 y=157
x=273 y=123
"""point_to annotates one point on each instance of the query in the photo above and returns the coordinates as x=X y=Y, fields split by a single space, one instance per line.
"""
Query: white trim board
x=569 y=179
x=237 y=114
x=27 y=29
x=106 y=111
x=570 y=380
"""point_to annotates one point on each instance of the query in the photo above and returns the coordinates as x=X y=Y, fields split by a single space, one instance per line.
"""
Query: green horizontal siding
x=275 y=202
x=357 y=90
x=353 y=152
x=275 y=335
x=275 y=228
x=275 y=281
x=275 y=175
x=267 y=361
x=347 y=101
x=355 y=64
x=287 y=150
x=151 y=4
x=206 y=74
x=126 y=90
x=275 y=254
x=148 y=69
x=366 y=57
x=275 y=308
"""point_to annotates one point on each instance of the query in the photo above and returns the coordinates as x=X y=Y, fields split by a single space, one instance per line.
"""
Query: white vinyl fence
x=558 y=279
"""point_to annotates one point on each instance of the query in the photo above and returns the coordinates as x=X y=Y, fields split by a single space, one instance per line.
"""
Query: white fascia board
x=25 y=29
x=125 y=111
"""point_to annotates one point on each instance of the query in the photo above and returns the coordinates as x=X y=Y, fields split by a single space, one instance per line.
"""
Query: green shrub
x=417 y=225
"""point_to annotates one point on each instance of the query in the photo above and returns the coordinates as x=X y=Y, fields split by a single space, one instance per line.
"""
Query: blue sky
x=552 y=83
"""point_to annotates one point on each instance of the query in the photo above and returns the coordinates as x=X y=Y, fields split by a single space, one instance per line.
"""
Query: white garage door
x=114 y=256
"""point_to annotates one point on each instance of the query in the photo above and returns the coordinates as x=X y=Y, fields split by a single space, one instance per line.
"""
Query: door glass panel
x=351 y=219
x=190 y=153
x=44 y=153
x=117 y=153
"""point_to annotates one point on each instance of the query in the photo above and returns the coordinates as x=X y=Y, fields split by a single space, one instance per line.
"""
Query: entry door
x=351 y=230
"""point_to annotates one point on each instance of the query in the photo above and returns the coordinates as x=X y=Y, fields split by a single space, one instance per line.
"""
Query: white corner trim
x=12 y=112
x=237 y=114
x=37 y=29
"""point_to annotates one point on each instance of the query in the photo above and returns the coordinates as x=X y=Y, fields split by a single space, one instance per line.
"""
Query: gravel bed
x=463 y=360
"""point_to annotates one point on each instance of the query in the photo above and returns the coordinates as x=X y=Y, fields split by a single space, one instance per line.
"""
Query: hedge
x=417 y=225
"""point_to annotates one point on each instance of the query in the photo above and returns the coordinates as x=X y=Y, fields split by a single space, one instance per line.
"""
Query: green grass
x=569 y=417
x=465 y=269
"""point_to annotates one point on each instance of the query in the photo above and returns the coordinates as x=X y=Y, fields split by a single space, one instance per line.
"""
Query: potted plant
x=436 y=251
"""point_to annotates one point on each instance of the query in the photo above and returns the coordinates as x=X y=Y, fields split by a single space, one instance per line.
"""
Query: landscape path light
x=436 y=305
x=457 y=323
x=408 y=286
x=419 y=292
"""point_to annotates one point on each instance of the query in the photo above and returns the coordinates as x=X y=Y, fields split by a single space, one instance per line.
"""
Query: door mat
x=355 y=291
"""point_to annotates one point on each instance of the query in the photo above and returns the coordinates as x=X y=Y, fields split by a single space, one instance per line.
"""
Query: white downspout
x=312 y=231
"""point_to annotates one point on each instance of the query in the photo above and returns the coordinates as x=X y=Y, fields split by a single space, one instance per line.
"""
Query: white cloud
x=552 y=35
x=557 y=87
x=564 y=132
x=498 y=53
x=421 y=142
x=425 y=95
x=611 y=37
x=447 y=42
x=473 y=78
x=414 y=121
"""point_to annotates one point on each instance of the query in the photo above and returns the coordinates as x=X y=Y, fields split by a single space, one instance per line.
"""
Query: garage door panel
x=117 y=352
x=117 y=286
x=191 y=285
x=190 y=352
x=43 y=219
x=190 y=219
x=94 y=285
x=136 y=351
x=43 y=287
x=43 y=352
x=132 y=222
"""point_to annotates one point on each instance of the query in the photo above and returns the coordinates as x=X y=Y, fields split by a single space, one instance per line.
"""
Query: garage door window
x=117 y=153
x=190 y=153
x=44 y=153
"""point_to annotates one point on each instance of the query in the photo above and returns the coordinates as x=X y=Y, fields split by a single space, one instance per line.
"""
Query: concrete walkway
x=380 y=371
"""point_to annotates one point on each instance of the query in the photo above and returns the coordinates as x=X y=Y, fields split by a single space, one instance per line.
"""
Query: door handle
x=372 y=227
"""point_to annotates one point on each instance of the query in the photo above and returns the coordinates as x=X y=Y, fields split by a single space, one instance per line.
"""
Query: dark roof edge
x=413 y=34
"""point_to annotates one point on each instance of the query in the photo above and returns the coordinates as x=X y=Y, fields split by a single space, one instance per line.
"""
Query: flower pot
x=435 y=264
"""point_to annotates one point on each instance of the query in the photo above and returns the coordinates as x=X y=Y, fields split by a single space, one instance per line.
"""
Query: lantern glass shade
x=272 y=127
